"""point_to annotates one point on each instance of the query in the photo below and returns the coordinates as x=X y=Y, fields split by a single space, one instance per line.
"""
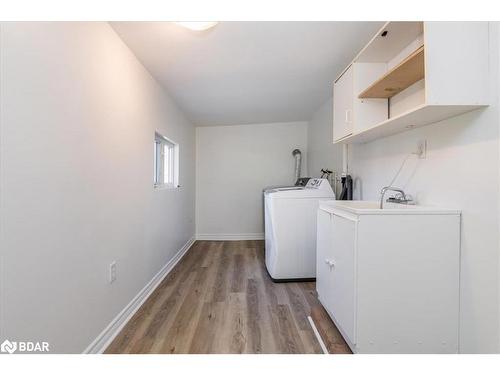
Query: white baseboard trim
x=109 y=333
x=230 y=237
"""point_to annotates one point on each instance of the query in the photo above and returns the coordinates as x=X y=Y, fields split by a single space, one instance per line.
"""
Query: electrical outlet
x=421 y=149
x=112 y=272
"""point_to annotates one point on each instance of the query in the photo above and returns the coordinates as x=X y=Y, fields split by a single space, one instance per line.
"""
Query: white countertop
x=372 y=208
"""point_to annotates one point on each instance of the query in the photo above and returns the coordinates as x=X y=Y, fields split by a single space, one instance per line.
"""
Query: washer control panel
x=315 y=183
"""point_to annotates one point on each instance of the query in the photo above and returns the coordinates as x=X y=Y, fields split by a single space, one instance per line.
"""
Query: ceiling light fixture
x=197 y=26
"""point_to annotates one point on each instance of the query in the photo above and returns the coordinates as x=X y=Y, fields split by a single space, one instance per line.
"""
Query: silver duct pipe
x=298 y=162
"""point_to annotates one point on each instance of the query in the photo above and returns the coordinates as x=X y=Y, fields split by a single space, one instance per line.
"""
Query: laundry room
x=250 y=187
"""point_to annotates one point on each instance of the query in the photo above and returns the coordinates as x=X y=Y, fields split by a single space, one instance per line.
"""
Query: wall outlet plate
x=112 y=272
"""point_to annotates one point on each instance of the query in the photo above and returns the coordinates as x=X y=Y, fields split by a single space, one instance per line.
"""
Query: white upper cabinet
x=456 y=70
x=352 y=114
x=413 y=74
x=367 y=111
x=343 y=105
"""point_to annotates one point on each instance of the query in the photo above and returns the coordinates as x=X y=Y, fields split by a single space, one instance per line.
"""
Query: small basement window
x=166 y=162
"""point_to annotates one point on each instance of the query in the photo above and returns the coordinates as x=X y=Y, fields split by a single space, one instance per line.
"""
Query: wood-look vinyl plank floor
x=220 y=299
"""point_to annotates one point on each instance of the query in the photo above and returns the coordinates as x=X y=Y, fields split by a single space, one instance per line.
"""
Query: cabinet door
x=323 y=256
x=343 y=274
x=343 y=105
x=367 y=112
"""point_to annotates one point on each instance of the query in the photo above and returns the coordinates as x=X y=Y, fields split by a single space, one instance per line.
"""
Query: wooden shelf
x=424 y=114
x=405 y=74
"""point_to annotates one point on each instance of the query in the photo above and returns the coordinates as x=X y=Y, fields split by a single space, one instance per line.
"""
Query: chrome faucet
x=400 y=198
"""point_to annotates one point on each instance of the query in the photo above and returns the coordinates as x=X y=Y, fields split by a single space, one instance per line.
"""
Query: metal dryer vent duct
x=298 y=162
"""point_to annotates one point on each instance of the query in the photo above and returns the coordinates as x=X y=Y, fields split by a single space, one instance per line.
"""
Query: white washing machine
x=290 y=229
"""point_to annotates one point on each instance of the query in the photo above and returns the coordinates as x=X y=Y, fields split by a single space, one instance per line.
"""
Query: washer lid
x=300 y=194
x=281 y=188
x=315 y=188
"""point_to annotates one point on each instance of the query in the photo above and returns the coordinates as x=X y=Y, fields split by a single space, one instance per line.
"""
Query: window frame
x=166 y=152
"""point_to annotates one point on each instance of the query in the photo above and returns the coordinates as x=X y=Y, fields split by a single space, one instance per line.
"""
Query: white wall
x=321 y=152
x=233 y=165
x=461 y=170
x=78 y=115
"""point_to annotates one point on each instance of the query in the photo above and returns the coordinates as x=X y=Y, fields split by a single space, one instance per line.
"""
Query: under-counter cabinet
x=389 y=278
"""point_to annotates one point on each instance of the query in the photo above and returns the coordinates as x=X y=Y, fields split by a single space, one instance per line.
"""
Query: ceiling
x=247 y=72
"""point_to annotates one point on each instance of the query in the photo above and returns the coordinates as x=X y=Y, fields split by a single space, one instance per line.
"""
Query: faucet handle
x=401 y=199
x=409 y=199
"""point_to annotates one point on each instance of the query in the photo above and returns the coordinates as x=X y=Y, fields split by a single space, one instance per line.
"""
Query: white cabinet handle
x=348 y=116
x=330 y=263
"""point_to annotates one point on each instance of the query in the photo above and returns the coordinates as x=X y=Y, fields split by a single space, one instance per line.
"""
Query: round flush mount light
x=197 y=26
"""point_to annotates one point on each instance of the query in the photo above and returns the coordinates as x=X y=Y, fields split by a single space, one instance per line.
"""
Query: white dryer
x=290 y=229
